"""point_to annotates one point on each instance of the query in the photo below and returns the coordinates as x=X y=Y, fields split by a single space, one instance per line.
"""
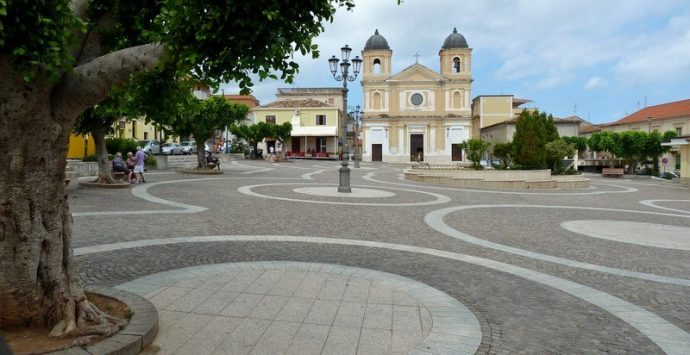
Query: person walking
x=139 y=157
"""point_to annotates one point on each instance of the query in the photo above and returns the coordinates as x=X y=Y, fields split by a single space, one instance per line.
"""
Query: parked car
x=171 y=149
x=150 y=147
x=188 y=147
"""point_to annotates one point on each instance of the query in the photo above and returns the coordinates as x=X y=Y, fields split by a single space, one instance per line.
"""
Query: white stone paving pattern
x=640 y=233
x=333 y=192
x=303 y=308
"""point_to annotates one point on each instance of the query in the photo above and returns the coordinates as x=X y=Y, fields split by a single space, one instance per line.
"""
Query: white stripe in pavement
x=435 y=220
x=309 y=176
x=652 y=203
x=256 y=170
x=667 y=336
x=141 y=191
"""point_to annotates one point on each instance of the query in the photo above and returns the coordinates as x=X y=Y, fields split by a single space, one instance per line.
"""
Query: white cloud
x=595 y=82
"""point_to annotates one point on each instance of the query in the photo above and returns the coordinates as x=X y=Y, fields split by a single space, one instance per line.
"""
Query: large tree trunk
x=201 y=157
x=39 y=285
x=104 y=166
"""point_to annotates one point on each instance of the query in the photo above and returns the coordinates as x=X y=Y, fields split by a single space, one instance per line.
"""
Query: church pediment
x=416 y=72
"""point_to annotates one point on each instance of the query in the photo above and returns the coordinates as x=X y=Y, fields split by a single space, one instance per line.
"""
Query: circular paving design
x=303 y=308
x=437 y=198
x=333 y=192
x=640 y=233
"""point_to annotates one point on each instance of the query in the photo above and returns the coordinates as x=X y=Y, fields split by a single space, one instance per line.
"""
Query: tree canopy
x=504 y=152
x=532 y=131
x=475 y=149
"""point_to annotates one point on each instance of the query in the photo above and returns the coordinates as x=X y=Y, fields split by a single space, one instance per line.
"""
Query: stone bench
x=617 y=172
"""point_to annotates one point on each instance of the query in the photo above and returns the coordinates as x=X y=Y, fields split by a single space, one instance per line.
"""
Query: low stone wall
x=496 y=179
x=83 y=168
x=175 y=161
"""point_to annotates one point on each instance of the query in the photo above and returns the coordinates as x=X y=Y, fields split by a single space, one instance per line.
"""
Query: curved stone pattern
x=435 y=220
x=294 y=307
x=333 y=192
x=438 y=199
x=640 y=233
x=653 y=203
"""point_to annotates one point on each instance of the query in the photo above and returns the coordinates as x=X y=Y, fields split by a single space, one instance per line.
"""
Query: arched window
x=457 y=65
x=377 y=66
x=457 y=99
x=377 y=101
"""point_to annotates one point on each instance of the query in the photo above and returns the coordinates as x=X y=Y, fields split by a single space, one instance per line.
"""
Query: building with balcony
x=315 y=115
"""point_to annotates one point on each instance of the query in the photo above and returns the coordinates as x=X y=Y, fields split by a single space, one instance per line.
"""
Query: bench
x=617 y=172
x=118 y=175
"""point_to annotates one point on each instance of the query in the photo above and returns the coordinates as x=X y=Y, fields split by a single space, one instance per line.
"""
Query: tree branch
x=90 y=83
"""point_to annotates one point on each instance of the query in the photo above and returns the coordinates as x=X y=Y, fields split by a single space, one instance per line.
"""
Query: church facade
x=417 y=114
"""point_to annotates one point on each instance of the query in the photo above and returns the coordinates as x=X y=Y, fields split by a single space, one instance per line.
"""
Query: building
x=416 y=114
x=315 y=115
x=671 y=116
x=488 y=110
x=248 y=100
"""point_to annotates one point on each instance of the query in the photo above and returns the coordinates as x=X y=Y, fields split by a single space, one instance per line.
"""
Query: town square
x=344 y=177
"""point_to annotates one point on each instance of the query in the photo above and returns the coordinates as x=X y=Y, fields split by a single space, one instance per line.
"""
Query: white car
x=171 y=149
x=150 y=147
x=188 y=147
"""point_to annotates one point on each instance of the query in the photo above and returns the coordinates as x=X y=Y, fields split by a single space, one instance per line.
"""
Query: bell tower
x=456 y=56
x=377 y=58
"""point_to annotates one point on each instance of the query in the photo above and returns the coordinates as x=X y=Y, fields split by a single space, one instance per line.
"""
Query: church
x=417 y=114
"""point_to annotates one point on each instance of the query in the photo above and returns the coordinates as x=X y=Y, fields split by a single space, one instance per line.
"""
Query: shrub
x=112 y=145
x=475 y=149
x=151 y=161
x=128 y=145
x=90 y=158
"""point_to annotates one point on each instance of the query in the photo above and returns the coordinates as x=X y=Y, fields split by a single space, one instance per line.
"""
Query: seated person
x=210 y=159
x=131 y=162
x=119 y=165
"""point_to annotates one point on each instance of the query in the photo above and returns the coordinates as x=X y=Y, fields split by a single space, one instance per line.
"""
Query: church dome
x=376 y=41
x=454 y=40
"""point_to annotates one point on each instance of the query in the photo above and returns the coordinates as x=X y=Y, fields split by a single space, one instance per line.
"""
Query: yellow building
x=315 y=117
x=488 y=110
x=416 y=114
x=80 y=146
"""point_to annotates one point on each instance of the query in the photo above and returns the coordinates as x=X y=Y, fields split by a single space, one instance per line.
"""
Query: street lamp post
x=344 y=180
x=356 y=116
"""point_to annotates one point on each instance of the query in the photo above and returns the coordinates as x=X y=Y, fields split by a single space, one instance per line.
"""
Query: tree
x=98 y=122
x=556 y=151
x=281 y=132
x=204 y=118
x=633 y=147
x=253 y=134
x=606 y=141
x=654 y=149
x=580 y=143
x=475 y=149
x=530 y=138
x=504 y=151
x=60 y=57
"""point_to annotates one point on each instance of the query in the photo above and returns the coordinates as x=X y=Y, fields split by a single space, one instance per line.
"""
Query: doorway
x=456 y=152
x=296 y=145
x=416 y=147
x=376 y=152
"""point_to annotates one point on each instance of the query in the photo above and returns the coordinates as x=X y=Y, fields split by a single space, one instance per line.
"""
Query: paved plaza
x=270 y=259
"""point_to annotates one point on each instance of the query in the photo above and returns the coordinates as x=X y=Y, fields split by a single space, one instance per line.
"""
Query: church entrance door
x=376 y=152
x=416 y=147
x=456 y=152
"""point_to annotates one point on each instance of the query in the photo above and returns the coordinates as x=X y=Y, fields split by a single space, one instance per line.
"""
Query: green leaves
x=475 y=149
x=532 y=131
x=38 y=35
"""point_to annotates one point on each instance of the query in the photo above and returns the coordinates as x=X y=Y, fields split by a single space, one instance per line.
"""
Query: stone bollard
x=344 y=185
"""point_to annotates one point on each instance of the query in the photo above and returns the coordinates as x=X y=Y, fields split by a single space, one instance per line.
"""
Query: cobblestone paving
x=515 y=314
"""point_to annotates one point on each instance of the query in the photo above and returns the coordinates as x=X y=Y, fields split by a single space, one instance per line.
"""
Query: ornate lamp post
x=356 y=116
x=345 y=77
x=344 y=180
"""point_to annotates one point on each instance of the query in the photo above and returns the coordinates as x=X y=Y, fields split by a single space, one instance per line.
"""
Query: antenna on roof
x=645 y=101
x=575 y=109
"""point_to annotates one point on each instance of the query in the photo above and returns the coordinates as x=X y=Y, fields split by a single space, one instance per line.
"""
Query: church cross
x=416 y=57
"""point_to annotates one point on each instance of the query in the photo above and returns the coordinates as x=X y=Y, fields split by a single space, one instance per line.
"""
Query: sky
x=596 y=59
